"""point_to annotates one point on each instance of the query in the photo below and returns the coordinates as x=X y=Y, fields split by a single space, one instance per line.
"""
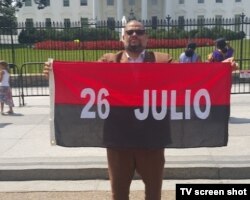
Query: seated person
x=222 y=52
x=189 y=55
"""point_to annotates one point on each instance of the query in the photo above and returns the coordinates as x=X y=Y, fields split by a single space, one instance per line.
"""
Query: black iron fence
x=28 y=80
x=28 y=45
x=34 y=42
x=25 y=82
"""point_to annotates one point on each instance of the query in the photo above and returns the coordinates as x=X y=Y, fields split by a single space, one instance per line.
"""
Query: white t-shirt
x=5 y=80
x=185 y=59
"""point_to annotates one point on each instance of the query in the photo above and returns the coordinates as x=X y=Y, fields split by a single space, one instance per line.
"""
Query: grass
x=23 y=55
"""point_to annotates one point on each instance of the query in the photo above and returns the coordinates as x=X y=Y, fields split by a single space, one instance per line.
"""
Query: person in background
x=189 y=55
x=222 y=52
x=5 y=90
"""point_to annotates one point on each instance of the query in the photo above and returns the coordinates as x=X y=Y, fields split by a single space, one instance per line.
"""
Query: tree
x=7 y=14
x=16 y=4
x=8 y=9
x=41 y=3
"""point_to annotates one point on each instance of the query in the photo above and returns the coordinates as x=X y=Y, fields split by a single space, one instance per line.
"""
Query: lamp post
x=168 y=26
x=241 y=39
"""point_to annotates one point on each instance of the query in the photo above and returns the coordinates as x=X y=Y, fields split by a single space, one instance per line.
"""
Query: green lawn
x=25 y=54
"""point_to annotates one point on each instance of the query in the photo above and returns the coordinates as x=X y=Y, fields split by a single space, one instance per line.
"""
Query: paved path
x=91 y=195
x=28 y=163
x=25 y=144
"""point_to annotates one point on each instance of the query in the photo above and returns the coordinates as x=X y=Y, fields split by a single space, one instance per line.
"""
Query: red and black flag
x=148 y=105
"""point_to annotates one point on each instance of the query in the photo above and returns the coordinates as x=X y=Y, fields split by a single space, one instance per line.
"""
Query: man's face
x=135 y=39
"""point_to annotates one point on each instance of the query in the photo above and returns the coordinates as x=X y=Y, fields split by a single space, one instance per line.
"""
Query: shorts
x=6 y=96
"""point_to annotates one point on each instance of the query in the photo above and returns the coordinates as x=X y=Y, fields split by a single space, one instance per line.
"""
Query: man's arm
x=234 y=65
x=163 y=57
x=46 y=69
x=108 y=57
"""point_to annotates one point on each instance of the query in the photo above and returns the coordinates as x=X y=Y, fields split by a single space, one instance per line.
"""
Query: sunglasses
x=137 y=32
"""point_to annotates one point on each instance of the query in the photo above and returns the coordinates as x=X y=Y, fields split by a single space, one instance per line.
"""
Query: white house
x=84 y=10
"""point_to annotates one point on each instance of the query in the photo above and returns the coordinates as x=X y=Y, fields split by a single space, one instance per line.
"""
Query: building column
x=94 y=15
x=119 y=10
x=167 y=8
x=144 y=10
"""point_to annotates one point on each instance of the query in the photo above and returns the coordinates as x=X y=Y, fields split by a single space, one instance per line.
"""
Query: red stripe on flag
x=126 y=83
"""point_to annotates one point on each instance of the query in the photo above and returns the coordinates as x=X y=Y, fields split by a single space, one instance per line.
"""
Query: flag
x=142 y=105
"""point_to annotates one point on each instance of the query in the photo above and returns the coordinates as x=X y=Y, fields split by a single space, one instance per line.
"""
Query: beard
x=134 y=48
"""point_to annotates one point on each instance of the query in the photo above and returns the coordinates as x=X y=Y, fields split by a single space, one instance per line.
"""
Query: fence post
x=168 y=27
x=241 y=40
x=12 y=44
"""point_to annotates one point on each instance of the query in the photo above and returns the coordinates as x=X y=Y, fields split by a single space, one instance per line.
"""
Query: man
x=123 y=162
x=189 y=55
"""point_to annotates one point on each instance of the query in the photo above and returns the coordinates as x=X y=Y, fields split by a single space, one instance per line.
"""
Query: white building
x=83 y=10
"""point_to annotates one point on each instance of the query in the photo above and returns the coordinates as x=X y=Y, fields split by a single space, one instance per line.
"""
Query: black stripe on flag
x=122 y=129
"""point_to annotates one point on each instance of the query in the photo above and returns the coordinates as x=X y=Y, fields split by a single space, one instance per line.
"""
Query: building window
x=200 y=20
x=47 y=22
x=65 y=3
x=237 y=20
x=29 y=23
x=84 y=22
x=181 y=1
x=218 y=20
x=110 y=2
x=154 y=22
x=200 y=1
x=219 y=1
x=131 y=2
x=154 y=2
x=84 y=2
x=181 y=22
x=28 y=3
x=67 y=23
x=111 y=23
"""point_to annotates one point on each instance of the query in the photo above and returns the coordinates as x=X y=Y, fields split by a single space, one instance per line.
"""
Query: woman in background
x=222 y=52
x=5 y=90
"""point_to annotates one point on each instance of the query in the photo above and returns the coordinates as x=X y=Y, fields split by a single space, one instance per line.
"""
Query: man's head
x=221 y=43
x=134 y=38
x=191 y=45
x=190 y=49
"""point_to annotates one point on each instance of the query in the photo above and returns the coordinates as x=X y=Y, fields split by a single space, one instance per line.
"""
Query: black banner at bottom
x=211 y=191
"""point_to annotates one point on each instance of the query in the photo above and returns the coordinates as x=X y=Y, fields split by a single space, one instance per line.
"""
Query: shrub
x=33 y=35
x=117 y=45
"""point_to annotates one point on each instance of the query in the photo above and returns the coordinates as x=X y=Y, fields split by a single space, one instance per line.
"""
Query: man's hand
x=46 y=69
x=234 y=65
